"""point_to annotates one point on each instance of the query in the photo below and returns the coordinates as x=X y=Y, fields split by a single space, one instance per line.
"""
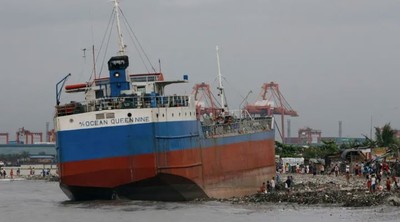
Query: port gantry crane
x=27 y=137
x=272 y=102
x=205 y=103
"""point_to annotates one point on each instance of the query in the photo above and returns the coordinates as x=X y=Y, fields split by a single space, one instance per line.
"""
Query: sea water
x=34 y=201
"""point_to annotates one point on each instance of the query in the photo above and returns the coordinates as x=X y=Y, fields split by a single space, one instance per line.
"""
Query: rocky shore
x=51 y=178
x=324 y=189
x=310 y=190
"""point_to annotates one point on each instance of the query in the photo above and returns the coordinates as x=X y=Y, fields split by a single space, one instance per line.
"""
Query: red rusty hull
x=218 y=172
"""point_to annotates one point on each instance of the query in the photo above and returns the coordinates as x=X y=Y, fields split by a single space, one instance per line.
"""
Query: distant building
x=309 y=136
x=306 y=136
x=41 y=159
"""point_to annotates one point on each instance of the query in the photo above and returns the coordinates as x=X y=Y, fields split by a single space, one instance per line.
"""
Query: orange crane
x=51 y=134
x=205 y=103
x=29 y=136
x=272 y=102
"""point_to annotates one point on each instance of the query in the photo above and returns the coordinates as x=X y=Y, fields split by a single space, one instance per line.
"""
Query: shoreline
x=326 y=190
x=48 y=178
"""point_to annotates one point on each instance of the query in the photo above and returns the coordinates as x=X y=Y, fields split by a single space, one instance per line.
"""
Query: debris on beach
x=324 y=189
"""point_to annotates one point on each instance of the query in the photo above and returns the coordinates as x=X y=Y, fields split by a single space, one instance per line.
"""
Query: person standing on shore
x=356 y=170
x=373 y=183
x=268 y=186
x=369 y=184
x=336 y=170
x=12 y=173
x=395 y=184
x=272 y=184
x=388 y=183
x=288 y=184
x=278 y=178
x=362 y=171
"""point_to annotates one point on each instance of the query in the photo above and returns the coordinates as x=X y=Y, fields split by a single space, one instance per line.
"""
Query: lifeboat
x=79 y=87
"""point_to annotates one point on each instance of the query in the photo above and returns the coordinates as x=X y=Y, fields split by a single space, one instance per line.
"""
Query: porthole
x=129 y=114
x=71 y=120
x=172 y=115
x=157 y=115
x=163 y=115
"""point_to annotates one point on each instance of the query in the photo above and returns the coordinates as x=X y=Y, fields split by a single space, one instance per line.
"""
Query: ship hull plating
x=216 y=168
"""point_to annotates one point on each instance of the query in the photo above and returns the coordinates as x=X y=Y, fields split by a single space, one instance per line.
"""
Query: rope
x=133 y=38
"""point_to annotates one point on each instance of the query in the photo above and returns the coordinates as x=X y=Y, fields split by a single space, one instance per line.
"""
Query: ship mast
x=121 y=40
x=224 y=105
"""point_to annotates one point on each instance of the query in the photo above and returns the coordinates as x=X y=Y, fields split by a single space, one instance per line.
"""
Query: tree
x=285 y=150
x=368 y=142
x=386 y=136
x=329 y=147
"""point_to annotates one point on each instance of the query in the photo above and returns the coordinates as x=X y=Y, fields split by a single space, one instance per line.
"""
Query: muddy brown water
x=36 y=201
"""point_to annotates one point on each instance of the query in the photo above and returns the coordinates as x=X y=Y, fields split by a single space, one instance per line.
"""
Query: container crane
x=205 y=103
x=29 y=136
x=272 y=102
x=309 y=136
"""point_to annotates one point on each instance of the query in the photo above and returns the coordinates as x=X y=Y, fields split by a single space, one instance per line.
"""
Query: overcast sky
x=334 y=60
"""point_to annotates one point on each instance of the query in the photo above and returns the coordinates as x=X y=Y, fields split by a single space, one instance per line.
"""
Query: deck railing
x=237 y=126
x=129 y=102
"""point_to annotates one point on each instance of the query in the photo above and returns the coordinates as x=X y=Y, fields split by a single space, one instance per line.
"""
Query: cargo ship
x=128 y=139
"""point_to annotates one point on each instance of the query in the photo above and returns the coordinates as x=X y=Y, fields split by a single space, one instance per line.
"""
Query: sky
x=334 y=60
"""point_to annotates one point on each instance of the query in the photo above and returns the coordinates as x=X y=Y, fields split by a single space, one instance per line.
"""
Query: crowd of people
x=379 y=175
x=275 y=183
x=3 y=173
x=17 y=173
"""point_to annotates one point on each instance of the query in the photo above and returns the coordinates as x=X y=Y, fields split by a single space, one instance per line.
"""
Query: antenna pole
x=220 y=88
x=94 y=63
x=121 y=40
